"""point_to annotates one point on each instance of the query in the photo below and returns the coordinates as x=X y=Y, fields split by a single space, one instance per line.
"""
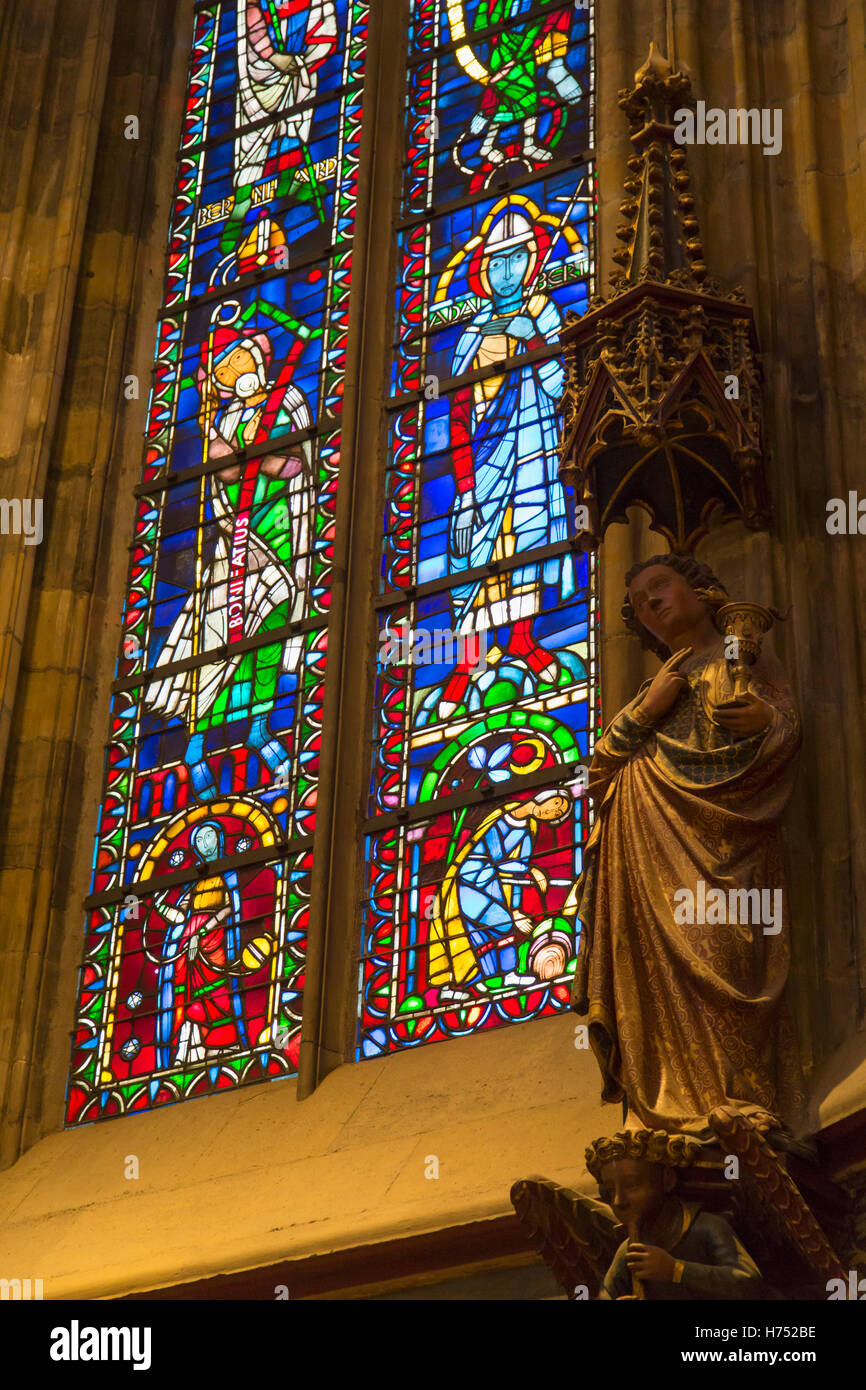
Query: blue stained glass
x=486 y=679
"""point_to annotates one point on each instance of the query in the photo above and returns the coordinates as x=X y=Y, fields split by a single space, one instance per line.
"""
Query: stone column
x=83 y=260
x=331 y=988
x=789 y=229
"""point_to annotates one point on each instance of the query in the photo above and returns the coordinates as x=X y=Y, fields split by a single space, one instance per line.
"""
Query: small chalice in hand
x=743 y=626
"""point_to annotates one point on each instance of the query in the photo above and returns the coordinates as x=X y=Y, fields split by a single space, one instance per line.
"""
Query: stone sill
x=252 y=1177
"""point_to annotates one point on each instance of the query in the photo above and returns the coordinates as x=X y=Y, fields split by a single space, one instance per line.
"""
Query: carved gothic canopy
x=662 y=404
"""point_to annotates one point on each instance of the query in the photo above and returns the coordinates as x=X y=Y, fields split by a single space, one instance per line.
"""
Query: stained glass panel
x=194 y=958
x=486 y=703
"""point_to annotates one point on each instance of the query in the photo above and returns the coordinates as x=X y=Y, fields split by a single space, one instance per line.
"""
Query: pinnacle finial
x=656 y=63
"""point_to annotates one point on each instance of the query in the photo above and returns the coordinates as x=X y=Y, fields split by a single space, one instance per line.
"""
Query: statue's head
x=637 y=1169
x=635 y=1188
x=666 y=596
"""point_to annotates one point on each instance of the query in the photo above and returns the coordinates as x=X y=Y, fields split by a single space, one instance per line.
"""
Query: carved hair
x=653 y=1145
x=699 y=576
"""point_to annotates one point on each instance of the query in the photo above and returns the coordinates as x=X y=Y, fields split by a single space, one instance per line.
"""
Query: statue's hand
x=650 y=1262
x=667 y=686
x=747 y=716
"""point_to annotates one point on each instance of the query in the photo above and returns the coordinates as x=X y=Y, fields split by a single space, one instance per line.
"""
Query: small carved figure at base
x=675 y=1249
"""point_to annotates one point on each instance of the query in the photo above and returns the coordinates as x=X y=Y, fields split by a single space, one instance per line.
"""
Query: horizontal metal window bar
x=210 y=529
x=166 y=481
x=146 y=888
x=421 y=948
x=222 y=653
x=426 y=331
x=370 y=952
x=244 y=282
x=141 y=1015
x=491 y=31
x=329 y=422
x=398 y=667
x=496 y=791
x=320 y=99
x=503 y=185
x=583 y=596
x=261 y=919
x=542 y=859
x=577 y=692
x=395 y=479
x=453 y=383
x=450 y=581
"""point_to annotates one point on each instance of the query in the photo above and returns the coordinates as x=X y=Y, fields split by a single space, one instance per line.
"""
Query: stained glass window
x=485 y=702
x=195 y=938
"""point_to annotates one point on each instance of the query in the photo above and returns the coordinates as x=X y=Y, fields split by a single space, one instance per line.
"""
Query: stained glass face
x=486 y=693
x=194 y=960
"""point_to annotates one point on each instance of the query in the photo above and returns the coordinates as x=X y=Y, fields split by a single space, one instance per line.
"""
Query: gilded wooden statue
x=681 y=975
x=685 y=921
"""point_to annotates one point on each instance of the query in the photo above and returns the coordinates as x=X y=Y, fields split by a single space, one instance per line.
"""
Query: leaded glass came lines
x=194 y=956
x=486 y=694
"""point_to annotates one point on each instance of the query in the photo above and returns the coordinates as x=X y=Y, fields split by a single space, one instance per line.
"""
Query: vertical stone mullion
x=837 y=419
x=330 y=996
x=39 y=271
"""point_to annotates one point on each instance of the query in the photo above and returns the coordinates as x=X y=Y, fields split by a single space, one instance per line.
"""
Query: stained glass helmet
x=510 y=223
x=512 y=229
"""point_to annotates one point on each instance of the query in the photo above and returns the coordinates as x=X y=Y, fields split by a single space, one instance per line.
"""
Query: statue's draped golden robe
x=682 y=1017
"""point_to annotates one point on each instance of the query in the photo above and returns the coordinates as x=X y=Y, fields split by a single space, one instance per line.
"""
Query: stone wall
x=83 y=259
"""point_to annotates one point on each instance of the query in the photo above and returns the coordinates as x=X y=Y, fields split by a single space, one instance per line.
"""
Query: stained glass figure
x=194 y=955
x=486 y=701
